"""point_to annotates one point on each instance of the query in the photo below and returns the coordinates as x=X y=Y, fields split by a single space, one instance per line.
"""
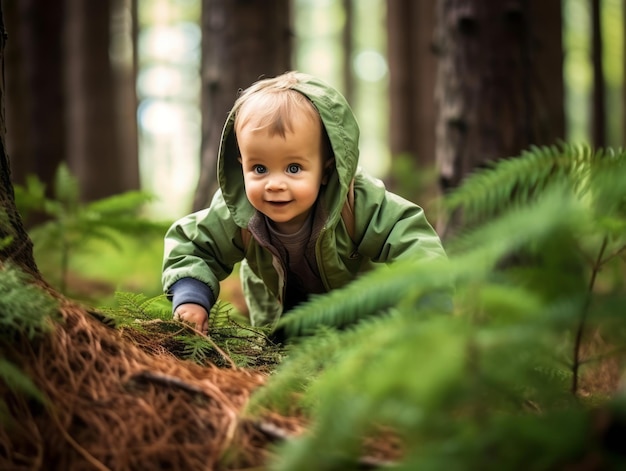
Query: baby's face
x=283 y=176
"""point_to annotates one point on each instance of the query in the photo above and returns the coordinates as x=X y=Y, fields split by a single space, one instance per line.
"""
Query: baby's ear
x=329 y=167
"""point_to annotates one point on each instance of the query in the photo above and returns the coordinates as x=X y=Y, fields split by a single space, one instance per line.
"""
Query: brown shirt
x=302 y=274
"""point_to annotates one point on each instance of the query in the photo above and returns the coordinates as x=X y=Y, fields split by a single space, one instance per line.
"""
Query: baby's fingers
x=204 y=326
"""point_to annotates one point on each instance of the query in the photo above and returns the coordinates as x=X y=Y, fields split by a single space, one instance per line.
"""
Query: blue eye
x=259 y=169
x=293 y=168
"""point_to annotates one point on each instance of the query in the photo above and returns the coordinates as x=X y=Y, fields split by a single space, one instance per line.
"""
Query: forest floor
x=123 y=399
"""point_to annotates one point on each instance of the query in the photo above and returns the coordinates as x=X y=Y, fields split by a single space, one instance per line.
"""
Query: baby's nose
x=276 y=183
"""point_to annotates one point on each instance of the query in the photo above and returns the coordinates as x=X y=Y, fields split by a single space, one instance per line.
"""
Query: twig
x=614 y=254
x=273 y=431
x=92 y=460
x=224 y=355
x=583 y=319
x=242 y=327
x=214 y=393
x=277 y=433
x=168 y=380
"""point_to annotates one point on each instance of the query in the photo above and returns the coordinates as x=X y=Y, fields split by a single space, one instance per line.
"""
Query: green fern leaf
x=24 y=307
x=18 y=382
x=66 y=189
x=516 y=181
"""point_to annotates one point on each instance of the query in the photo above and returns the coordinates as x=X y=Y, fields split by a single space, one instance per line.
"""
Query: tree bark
x=95 y=151
x=15 y=245
x=347 y=42
x=599 y=89
x=499 y=82
x=36 y=103
x=412 y=71
x=124 y=68
x=242 y=41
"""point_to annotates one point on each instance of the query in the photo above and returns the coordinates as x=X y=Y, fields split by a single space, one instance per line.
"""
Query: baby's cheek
x=252 y=193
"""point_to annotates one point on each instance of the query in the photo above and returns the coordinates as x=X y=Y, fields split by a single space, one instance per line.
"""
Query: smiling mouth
x=279 y=203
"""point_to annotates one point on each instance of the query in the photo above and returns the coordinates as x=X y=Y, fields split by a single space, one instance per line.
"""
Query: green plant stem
x=583 y=318
x=614 y=254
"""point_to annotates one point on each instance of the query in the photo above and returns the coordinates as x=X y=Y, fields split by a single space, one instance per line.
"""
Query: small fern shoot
x=71 y=223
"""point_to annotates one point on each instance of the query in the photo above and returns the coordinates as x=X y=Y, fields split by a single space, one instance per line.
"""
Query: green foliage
x=305 y=362
x=246 y=346
x=70 y=224
x=514 y=182
x=231 y=340
x=25 y=310
x=137 y=307
x=500 y=382
x=410 y=179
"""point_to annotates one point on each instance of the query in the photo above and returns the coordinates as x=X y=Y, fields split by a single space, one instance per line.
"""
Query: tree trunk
x=499 y=83
x=347 y=42
x=15 y=245
x=95 y=152
x=242 y=41
x=412 y=70
x=36 y=100
x=599 y=90
x=124 y=65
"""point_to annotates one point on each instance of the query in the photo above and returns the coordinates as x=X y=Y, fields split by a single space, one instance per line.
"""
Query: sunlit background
x=168 y=84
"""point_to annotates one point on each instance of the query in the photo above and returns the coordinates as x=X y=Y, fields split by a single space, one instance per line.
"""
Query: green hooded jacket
x=206 y=245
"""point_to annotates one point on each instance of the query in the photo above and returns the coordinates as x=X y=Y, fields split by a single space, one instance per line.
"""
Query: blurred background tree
x=499 y=87
x=132 y=94
x=73 y=69
x=72 y=95
x=241 y=41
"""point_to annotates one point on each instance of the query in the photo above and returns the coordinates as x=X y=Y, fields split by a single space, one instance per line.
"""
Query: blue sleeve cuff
x=190 y=290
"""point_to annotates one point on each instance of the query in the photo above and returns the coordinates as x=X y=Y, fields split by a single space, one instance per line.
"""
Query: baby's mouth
x=278 y=203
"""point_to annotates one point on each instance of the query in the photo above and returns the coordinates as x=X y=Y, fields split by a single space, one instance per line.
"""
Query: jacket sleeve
x=390 y=227
x=203 y=246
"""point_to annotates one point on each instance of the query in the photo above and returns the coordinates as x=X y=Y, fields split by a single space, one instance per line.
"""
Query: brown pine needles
x=112 y=405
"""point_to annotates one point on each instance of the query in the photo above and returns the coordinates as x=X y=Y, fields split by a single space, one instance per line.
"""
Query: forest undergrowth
x=508 y=355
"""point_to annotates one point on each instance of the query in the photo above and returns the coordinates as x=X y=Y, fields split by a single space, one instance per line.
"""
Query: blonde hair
x=271 y=104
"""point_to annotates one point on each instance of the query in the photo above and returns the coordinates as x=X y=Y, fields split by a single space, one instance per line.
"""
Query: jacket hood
x=343 y=132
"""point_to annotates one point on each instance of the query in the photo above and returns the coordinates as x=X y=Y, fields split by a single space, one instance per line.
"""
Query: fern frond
x=31 y=196
x=25 y=311
x=135 y=310
x=554 y=210
x=519 y=180
x=120 y=204
x=196 y=348
x=144 y=307
x=306 y=361
x=440 y=380
x=24 y=308
x=66 y=189
x=481 y=250
x=372 y=293
x=73 y=224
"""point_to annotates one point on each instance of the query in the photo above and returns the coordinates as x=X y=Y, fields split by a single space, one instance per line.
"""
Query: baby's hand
x=193 y=314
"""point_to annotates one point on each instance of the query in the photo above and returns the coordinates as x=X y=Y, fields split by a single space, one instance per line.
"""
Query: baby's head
x=284 y=150
x=271 y=105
